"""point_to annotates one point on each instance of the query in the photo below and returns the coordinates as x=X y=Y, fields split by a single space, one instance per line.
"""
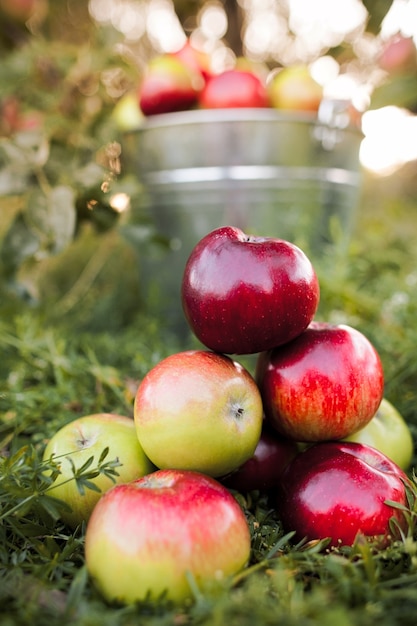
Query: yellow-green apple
x=86 y=437
x=234 y=88
x=198 y=410
x=126 y=113
x=149 y=537
x=389 y=433
x=243 y=294
x=168 y=85
x=325 y=384
x=263 y=470
x=294 y=89
x=340 y=490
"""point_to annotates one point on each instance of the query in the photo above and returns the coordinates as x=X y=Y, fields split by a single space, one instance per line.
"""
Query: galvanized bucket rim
x=210 y=116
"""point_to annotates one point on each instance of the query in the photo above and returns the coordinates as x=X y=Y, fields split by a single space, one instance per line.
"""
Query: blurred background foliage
x=70 y=214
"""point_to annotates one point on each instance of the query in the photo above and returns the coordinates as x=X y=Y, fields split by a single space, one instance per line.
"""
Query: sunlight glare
x=401 y=18
x=390 y=139
x=163 y=26
x=325 y=23
x=213 y=21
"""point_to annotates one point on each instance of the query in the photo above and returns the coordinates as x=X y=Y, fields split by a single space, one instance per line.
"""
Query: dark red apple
x=339 y=490
x=243 y=294
x=263 y=470
x=325 y=384
x=234 y=89
x=168 y=86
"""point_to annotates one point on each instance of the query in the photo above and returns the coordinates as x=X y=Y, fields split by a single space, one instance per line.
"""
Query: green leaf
x=399 y=91
x=377 y=10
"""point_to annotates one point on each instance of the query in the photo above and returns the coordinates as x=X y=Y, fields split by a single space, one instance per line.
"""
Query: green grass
x=56 y=368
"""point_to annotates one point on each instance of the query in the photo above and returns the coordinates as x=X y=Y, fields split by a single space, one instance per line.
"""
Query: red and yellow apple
x=326 y=384
x=195 y=59
x=340 y=490
x=168 y=85
x=243 y=294
x=86 y=437
x=293 y=88
x=148 y=537
x=198 y=410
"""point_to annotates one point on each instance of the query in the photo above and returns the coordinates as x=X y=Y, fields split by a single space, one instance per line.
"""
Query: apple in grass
x=168 y=85
x=325 y=384
x=340 y=490
x=389 y=433
x=86 y=437
x=234 y=88
x=198 y=410
x=148 y=537
x=243 y=294
x=263 y=470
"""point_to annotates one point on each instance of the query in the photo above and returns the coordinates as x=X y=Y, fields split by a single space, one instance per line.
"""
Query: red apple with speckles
x=338 y=490
x=234 y=89
x=325 y=384
x=243 y=294
x=263 y=470
x=148 y=537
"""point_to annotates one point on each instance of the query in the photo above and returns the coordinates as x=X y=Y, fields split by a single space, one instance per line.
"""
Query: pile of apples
x=303 y=429
x=184 y=80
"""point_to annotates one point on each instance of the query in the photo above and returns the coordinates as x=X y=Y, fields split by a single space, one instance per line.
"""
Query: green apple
x=126 y=113
x=389 y=433
x=198 y=410
x=87 y=437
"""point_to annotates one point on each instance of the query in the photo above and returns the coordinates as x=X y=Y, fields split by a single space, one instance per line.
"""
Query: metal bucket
x=269 y=173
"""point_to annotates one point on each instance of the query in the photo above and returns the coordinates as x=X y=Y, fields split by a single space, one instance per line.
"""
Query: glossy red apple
x=168 y=85
x=263 y=470
x=339 y=490
x=198 y=410
x=326 y=384
x=148 y=537
x=243 y=294
x=234 y=89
